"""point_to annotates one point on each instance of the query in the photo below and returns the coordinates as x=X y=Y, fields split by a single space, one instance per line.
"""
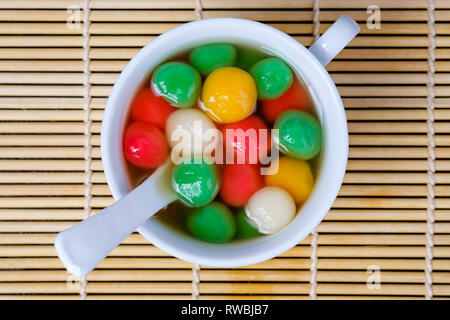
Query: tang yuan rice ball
x=239 y=183
x=293 y=175
x=248 y=140
x=244 y=227
x=273 y=77
x=149 y=108
x=212 y=223
x=144 y=145
x=228 y=95
x=193 y=130
x=178 y=83
x=208 y=57
x=270 y=209
x=300 y=135
x=295 y=98
x=247 y=57
x=196 y=181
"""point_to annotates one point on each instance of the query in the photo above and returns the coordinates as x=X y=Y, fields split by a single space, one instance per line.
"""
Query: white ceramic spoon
x=83 y=246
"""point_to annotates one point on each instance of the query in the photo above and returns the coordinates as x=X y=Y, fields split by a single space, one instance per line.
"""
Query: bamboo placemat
x=392 y=213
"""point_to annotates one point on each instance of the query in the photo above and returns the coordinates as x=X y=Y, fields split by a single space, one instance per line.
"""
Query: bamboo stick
x=73 y=296
x=41 y=53
x=27 y=28
x=115 y=263
x=258 y=288
x=46 y=165
x=255 y=275
x=337 y=214
x=44 y=102
x=384 y=66
x=383 y=54
x=49 y=177
x=385 y=289
x=252 y=297
x=49 y=238
x=324 y=15
x=36 y=287
x=49 y=251
x=392 y=127
x=401 y=203
x=41 y=78
x=391 y=165
x=98 y=275
x=422 y=4
x=41 y=90
x=109 y=65
x=40 y=65
x=385 y=78
x=385 y=276
x=384 y=264
x=383 y=178
x=376 y=252
x=141 y=16
x=120 y=41
x=44 y=4
x=42 y=115
x=54 y=287
x=42 y=214
x=140 y=4
x=51 y=190
x=46 y=127
x=46 y=152
x=372 y=227
x=285 y=263
x=131 y=28
x=139 y=297
x=37 y=15
x=139 y=287
x=50 y=140
x=362 y=297
x=389 y=152
x=32 y=226
x=387 y=114
x=374 y=102
x=384 y=190
x=390 y=140
x=41 y=41
x=376 y=239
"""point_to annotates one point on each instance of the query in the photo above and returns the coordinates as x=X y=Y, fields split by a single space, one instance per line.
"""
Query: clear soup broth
x=176 y=215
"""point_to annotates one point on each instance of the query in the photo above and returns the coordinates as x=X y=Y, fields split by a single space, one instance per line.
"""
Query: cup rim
x=330 y=111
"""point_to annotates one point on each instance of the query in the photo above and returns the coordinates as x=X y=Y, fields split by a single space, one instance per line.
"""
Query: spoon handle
x=84 y=245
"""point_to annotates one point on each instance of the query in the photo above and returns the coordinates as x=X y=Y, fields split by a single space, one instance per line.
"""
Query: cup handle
x=341 y=32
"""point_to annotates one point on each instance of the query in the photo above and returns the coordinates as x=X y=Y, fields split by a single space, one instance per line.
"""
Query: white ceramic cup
x=308 y=64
